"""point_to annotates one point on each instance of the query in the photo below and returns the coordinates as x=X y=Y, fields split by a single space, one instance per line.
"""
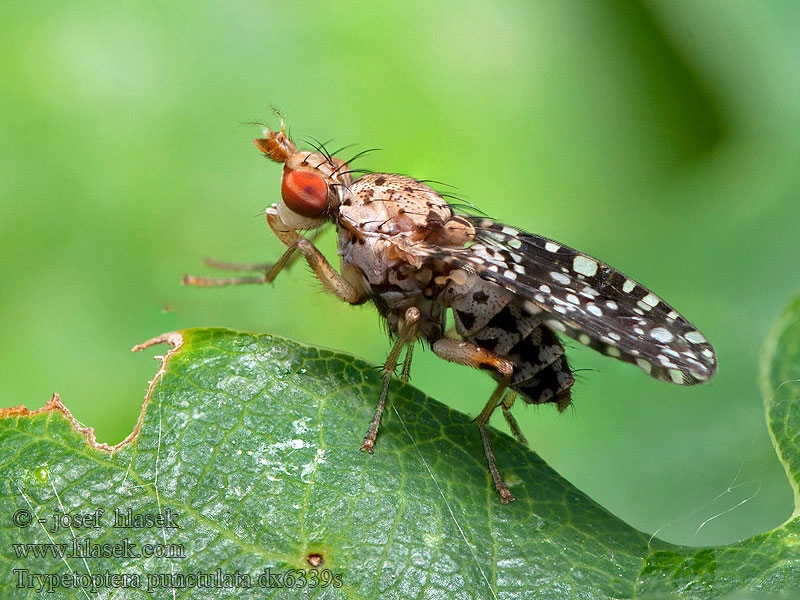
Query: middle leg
x=406 y=337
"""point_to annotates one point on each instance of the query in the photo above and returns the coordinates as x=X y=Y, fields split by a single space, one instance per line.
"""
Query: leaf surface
x=248 y=451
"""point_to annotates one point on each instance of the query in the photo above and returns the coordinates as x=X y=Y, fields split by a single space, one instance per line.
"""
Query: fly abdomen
x=541 y=372
x=495 y=319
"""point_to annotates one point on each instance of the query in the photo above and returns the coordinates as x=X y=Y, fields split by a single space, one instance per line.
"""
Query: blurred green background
x=663 y=138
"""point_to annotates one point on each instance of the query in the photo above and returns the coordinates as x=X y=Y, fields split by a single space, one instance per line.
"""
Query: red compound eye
x=304 y=193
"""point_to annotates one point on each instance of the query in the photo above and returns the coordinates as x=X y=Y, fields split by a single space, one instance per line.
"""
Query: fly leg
x=406 y=337
x=269 y=270
x=506 y=404
x=406 y=372
x=467 y=353
x=327 y=275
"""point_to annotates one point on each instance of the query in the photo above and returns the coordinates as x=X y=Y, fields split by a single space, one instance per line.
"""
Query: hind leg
x=506 y=404
x=466 y=353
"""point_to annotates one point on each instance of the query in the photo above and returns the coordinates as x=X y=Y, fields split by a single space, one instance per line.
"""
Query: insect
x=511 y=293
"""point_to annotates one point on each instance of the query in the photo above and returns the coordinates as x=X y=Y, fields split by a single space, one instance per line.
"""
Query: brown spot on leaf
x=315 y=559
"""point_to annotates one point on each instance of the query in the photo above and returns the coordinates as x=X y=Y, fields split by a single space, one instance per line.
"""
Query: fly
x=403 y=247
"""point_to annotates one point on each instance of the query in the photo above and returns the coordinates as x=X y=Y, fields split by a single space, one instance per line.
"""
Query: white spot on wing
x=676 y=375
x=479 y=250
x=574 y=299
x=559 y=277
x=662 y=335
x=584 y=265
x=664 y=360
x=551 y=247
x=611 y=351
x=651 y=299
x=644 y=365
x=594 y=309
x=699 y=365
x=628 y=286
x=695 y=337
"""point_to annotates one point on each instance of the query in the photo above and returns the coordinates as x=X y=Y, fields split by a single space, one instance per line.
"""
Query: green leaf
x=249 y=445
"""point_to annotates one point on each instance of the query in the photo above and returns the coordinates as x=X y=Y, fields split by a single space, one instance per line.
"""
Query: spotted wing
x=588 y=300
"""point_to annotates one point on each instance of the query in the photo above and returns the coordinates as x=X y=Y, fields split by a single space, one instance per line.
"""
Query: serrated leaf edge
x=174 y=338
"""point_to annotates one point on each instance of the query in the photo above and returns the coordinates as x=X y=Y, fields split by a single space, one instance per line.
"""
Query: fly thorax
x=368 y=254
x=392 y=204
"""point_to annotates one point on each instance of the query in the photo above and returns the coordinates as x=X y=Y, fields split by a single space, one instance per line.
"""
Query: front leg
x=328 y=276
x=269 y=270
